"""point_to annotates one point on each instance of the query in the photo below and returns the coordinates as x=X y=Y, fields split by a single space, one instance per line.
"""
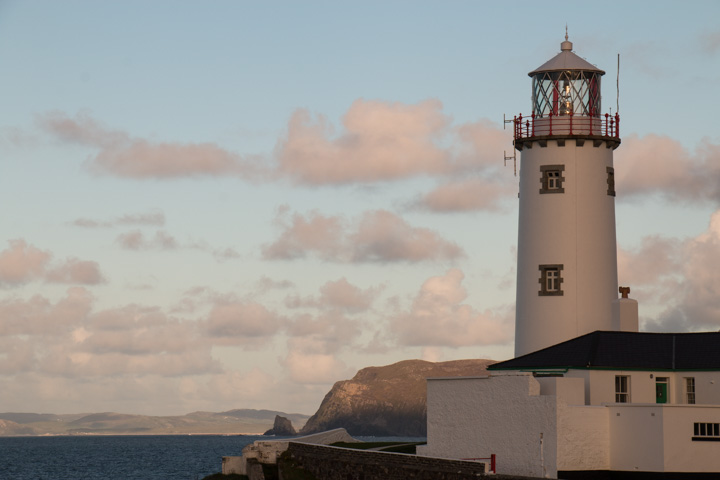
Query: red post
x=527 y=128
x=519 y=133
x=551 y=115
x=492 y=463
x=571 y=117
x=607 y=132
x=533 y=123
x=617 y=125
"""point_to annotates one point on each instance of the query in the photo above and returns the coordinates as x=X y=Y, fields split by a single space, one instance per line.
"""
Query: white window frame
x=551 y=280
x=706 y=432
x=690 y=390
x=622 y=392
x=552 y=179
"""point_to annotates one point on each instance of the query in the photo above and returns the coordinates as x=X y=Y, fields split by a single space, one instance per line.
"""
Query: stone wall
x=332 y=463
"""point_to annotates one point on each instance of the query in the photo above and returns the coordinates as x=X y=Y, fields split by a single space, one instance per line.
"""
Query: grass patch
x=363 y=445
x=395 y=447
x=220 y=476
x=409 y=448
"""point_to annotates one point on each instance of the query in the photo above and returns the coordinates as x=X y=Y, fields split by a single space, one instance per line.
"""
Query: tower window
x=551 y=178
x=550 y=280
x=611 y=181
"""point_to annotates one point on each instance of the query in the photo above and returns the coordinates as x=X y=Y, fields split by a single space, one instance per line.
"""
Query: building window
x=690 y=390
x=622 y=389
x=611 y=181
x=706 y=432
x=551 y=178
x=550 y=280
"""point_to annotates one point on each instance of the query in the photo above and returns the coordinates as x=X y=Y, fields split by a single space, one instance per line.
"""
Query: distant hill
x=386 y=401
x=240 y=421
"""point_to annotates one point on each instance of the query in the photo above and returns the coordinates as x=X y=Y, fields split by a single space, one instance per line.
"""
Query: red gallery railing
x=534 y=126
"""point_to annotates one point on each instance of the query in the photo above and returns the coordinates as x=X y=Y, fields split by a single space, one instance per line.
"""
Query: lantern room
x=566 y=85
x=566 y=101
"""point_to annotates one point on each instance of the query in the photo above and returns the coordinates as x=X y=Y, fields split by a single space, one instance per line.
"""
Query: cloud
x=266 y=283
x=241 y=323
x=655 y=258
x=308 y=365
x=163 y=241
x=144 y=219
x=67 y=338
x=439 y=318
x=380 y=141
x=135 y=240
x=339 y=294
x=467 y=195
x=659 y=165
x=77 y=271
x=377 y=141
x=22 y=263
x=317 y=233
x=326 y=333
x=38 y=316
x=710 y=42
x=124 y=156
x=478 y=147
x=377 y=236
x=681 y=275
x=136 y=330
x=171 y=395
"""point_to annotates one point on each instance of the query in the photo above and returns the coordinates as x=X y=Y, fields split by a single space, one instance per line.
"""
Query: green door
x=661 y=390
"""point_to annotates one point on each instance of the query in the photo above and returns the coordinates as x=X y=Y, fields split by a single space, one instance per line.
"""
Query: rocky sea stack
x=282 y=427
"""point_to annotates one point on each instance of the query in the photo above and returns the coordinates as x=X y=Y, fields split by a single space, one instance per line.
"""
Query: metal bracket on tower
x=506 y=121
x=506 y=158
x=513 y=158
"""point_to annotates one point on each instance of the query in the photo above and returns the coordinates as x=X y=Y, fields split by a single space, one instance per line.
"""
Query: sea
x=147 y=457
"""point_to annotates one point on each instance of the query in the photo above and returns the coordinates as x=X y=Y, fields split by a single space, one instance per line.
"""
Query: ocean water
x=182 y=457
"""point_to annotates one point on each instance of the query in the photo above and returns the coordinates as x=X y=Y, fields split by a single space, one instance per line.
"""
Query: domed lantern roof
x=566 y=85
x=566 y=60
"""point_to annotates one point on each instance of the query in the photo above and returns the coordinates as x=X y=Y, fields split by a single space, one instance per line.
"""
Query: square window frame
x=544 y=269
x=545 y=178
x=610 y=181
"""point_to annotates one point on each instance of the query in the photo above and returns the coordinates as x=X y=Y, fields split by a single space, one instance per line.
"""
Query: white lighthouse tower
x=567 y=257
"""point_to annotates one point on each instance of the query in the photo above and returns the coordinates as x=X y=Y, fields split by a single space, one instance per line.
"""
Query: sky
x=235 y=204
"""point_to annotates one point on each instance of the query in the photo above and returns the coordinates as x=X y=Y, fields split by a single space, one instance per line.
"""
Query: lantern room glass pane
x=568 y=92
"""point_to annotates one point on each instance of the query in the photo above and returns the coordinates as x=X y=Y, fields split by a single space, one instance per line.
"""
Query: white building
x=587 y=396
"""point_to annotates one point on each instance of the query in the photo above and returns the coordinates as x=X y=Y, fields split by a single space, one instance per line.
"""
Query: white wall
x=636 y=437
x=655 y=438
x=583 y=438
x=504 y=415
x=576 y=229
x=681 y=453
x=707 y=386
x=570 y=391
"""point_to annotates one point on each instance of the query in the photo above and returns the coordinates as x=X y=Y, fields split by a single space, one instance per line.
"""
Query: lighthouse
x=567 y=282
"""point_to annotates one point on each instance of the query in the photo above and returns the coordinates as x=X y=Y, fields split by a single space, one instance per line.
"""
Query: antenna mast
x=617 y=86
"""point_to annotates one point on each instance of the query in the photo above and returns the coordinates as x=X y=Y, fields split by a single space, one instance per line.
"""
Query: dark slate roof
x=625 y=350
